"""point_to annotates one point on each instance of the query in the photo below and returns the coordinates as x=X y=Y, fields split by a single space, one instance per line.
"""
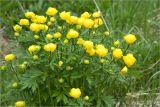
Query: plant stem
x=126 y=49
x=39 y=97
x=14 y=71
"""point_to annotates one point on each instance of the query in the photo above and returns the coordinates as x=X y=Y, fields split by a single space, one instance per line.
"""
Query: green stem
x=126 y=49
x=39 y=97
x=14 y=72
x=49 y=90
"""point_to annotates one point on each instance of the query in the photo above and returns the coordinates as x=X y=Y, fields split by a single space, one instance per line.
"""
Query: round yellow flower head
x=91 y=51
x=80 y=41
x=73 y=20
x=49 y=23
x=129 y=59
x=59 y=27
x=49 y=36
x=88 y=44
x=41 y=19
x=43 y=27
x=85 y=15
x=65 y=15
x=51 y=11
x=86 y=98
x=65 y=41
x=50 y=47
x=130 y=38
x=34 y=27
x=72 y=34
x=16 y=34
x=20 y=104
x=96 y=14
x=116 y=43
x=22 y=66
x=52 y=19
x=30 y=15
x=17 y=28
x=88 y=23
x=69 y=68
x=117 y=53
x=36 y=36
x=80 y=21
x=60 y=63
x=32 y=49
x=78 y=26
x=123 y=70
x=75 y=93
x=86 y=61
x=57 y=35
x=24 y=22
x=9 y=57
x=101 y=50
x=98 y=21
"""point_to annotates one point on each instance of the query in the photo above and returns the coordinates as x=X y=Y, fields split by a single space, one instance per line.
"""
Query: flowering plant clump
x=66 y=60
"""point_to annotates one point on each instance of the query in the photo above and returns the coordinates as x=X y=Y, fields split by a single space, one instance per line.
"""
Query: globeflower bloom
x=85 y=15
x=88 y=44
x=9 y=57
x=50 y=47
x=34 y=27
x=130 y=38
x=88 y=23
x=65 y=15
x=101 y=50
x=30 y=15
x=91 y=51
x=129 y=59
x=49 y=36
x=72 y=34
x=117 y=53
x=20 y=104
x=57 y=35
x=116 y=43
x=96 y=14
x=72 y=20
x=75 y=93
x=40 y=19
x=51 y=11
x=34 y=48
x=24 y=22
x=123 y=70
x=80 y=41
x=17 y=28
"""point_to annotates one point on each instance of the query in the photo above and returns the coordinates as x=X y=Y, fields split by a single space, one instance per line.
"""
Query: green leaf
x=108 y=100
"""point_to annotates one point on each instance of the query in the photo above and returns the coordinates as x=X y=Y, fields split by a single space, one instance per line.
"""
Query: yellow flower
x=9 y=57
x=91 y=51
x=75 y=93
x=36 y=36
x=50 y=47
x=22 y=66
x=86 y=98
x=80 y=21
x=117 y=53
x=65 y=41
x=80 y=41
x=72 y=34
x=60 y=63
x=24 y=22
x=30 y=15
x=49 y=23
x=20 y=104
x=17 y=28
x=51 y=11
x=116 y=43
x=88 y=23
x=35 y=57
x=85 y=15
x=34 y=27
x=57 y=35
x=130 y=38
x=73 y=19
x=101 y=50
x=65 y=15
x=98 y=21
x=16 y=34
x=123 y=70
x=96 y=14
x=49 y=36
x=88 y=44
x=129 y=59
x=52 y=19
x=32 y=48
x=86 y=61
x=78 y=26
x=43 y=27
x=41 y=19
